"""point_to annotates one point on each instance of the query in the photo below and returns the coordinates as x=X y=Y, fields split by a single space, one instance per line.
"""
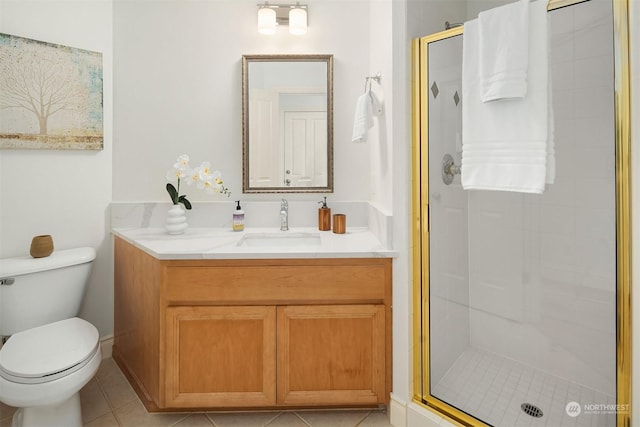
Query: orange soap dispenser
x=324 y=216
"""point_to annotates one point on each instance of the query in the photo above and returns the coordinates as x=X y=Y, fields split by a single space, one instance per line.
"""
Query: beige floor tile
x=195 y=420
x=107 y=367
x=333 y=418
x=288 y=419
x=6 y=421
x=93 y=402
x=116 y=388
x=134 y=414
x=376 y=419
x=242 y=419
x=107 y=420
x=6 y=411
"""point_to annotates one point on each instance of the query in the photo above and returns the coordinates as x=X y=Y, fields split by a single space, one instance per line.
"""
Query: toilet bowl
x=42 y=370
x=50 y=354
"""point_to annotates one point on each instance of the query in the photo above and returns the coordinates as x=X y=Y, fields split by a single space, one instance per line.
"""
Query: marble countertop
x=220 y=243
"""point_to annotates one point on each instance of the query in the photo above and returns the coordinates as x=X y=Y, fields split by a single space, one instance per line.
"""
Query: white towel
x=377 y=103
x=507 y=145
x=363 y=119
x=503 y=34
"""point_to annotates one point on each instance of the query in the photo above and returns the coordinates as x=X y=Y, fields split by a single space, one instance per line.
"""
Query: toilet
x=50 y=353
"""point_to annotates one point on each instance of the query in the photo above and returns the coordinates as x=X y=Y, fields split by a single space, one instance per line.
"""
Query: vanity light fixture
x=272 y=15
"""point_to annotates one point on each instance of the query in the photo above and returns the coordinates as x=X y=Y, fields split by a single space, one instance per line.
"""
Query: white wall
x=177 y=89
x=381 y=136
x=63 y=193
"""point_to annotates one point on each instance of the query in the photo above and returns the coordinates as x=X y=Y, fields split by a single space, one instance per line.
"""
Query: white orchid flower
x=194 y=176
x=176 y=174
x=209 y=186
x=217 y=177
x=202 y=176
x=182 y=162
x=205 y=171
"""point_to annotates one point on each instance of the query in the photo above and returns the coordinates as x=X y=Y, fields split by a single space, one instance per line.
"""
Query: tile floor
x=493 y=387
x=109 y=401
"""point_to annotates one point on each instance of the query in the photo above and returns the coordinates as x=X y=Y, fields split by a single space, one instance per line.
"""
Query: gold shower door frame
x=420 y=213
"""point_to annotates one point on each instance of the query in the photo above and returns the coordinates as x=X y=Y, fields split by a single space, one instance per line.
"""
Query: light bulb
x=266 y=20
x=297 y=21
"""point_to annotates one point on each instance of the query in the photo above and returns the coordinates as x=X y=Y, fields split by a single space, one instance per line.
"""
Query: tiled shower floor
x=492 y=388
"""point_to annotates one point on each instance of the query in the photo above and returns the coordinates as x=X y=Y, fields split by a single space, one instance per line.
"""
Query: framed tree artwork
x=50 y=96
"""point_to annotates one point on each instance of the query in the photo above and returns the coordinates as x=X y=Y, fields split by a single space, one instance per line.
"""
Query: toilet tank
x=37 y=291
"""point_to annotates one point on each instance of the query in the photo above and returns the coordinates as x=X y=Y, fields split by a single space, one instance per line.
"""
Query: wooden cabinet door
x=331 y=354
x=220 y=356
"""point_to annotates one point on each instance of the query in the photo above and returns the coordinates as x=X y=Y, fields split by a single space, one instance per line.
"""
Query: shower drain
x=532 y=410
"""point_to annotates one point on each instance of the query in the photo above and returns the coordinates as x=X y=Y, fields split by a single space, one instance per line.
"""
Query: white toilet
x=51 y=354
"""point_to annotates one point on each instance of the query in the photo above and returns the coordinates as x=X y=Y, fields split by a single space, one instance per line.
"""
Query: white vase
x=176 y=220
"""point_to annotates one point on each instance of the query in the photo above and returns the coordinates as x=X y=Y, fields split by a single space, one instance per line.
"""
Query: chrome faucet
x=284 y=215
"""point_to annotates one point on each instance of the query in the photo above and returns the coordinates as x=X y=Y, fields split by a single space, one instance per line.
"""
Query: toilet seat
x=48 y=352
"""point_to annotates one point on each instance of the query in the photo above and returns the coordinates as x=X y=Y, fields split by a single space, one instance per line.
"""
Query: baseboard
x=403 y=414
x=106 y=345
x=419 y=416
x=397 y=412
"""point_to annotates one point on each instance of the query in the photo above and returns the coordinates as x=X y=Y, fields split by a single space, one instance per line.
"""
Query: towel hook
x=367 y=80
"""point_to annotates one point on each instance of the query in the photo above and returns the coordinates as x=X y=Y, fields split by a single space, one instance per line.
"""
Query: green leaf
x=173 y=193
x=185 y=202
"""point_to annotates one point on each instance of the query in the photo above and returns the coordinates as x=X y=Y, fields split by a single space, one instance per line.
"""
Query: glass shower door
x=521 y=295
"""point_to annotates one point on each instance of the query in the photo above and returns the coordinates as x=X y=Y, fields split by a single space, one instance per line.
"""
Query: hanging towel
x=507 y=145
x=363 y=119
x=503 y=36
x=377 y=102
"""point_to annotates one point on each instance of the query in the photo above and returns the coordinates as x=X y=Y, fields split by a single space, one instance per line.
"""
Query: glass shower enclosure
x=522 y=296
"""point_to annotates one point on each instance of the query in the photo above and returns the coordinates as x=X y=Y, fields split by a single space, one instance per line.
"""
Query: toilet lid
x=47 y=350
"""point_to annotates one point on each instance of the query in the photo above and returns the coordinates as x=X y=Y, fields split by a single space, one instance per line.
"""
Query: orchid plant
x=202 y=176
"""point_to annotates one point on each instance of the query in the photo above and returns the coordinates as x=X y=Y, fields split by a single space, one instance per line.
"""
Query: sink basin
x=280 y=240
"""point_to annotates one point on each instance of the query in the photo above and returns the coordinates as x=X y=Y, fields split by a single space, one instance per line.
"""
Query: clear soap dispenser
x=238 y=218
x=324 y=216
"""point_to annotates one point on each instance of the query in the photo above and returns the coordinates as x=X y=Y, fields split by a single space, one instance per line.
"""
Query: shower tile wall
x=542 y=275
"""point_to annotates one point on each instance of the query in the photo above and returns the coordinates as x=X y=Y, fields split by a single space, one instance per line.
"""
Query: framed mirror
x=287 y=123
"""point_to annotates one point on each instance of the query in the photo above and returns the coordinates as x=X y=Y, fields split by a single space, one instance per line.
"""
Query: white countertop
x=219 y=243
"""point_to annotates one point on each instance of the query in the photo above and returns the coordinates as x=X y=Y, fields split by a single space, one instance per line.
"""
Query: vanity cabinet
x=253 y=333
x=331 y=354
x=220 y=354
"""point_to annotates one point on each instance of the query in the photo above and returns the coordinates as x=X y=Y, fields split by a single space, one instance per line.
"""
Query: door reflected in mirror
x=287 y=118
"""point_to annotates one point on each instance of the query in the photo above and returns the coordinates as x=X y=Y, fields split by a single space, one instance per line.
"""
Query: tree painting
x=50 y=95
